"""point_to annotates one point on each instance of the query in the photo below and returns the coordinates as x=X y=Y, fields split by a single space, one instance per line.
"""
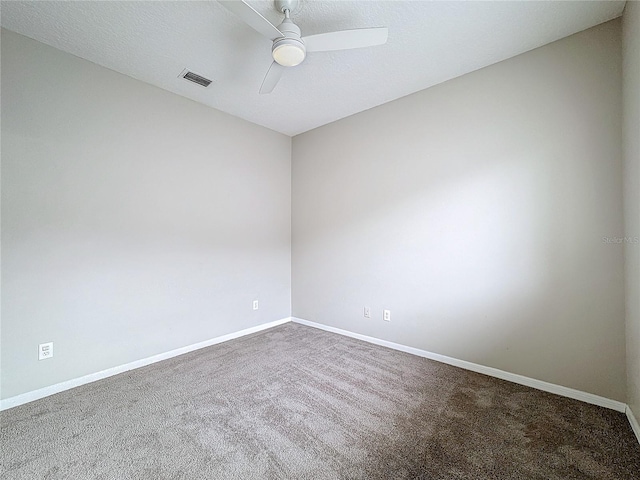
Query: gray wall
x=134 y=221
x=631 y=136
x=475 y=211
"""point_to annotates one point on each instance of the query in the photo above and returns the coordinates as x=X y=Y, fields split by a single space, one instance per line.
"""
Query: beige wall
x=631 y=142
x=475 y=211
x=134 y=221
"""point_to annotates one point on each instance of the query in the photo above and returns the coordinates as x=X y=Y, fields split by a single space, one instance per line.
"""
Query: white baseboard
x=474 y=367
x=92 y=377
x=493 y=372
x=634 y=423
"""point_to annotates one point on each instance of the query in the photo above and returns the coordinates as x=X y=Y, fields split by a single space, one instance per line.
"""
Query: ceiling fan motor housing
x=288 y=50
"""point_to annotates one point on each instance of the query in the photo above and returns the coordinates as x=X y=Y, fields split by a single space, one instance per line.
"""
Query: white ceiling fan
x=289 y=48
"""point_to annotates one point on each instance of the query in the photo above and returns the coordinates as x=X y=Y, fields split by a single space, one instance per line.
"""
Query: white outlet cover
x=386 y=315
x=367 y=312
x=45 y=350
x=255 y=304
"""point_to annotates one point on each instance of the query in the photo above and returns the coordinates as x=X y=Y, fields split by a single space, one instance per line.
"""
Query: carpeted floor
x=294 y=402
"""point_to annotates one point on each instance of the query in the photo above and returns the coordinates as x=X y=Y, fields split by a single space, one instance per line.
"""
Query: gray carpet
x=295 y=402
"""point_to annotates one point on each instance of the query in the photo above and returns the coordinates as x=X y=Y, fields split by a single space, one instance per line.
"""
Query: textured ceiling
x=429 y=42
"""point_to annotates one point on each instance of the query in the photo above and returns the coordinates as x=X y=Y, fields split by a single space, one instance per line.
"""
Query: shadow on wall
x=475 y=211
x=484 y=250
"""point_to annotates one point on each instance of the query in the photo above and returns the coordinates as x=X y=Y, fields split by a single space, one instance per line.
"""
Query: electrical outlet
x=255 y=304
x=45 y=350
x=367 y=312
x=386 y=315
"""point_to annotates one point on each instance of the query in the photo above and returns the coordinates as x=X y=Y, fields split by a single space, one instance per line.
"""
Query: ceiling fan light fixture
x=288 y=52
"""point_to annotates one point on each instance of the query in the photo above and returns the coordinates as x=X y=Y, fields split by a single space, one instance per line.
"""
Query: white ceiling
x=429 y=42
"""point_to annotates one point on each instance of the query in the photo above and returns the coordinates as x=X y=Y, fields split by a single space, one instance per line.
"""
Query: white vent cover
x=195 y=78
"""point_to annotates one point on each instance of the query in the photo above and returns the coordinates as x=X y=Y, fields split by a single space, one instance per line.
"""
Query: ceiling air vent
x=195 y=78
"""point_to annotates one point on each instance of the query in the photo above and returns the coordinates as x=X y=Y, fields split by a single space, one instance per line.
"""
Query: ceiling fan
x=289 y=48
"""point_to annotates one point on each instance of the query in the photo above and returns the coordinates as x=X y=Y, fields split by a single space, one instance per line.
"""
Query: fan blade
x=346 y=39
x=271 y=78
x=252 y=18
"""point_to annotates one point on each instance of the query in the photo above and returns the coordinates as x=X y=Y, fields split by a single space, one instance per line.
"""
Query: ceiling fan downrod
x=288 y=50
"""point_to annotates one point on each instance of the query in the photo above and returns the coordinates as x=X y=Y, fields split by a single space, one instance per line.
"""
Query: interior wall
x=484 y=213
x=134 y=221
x=631 y=142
